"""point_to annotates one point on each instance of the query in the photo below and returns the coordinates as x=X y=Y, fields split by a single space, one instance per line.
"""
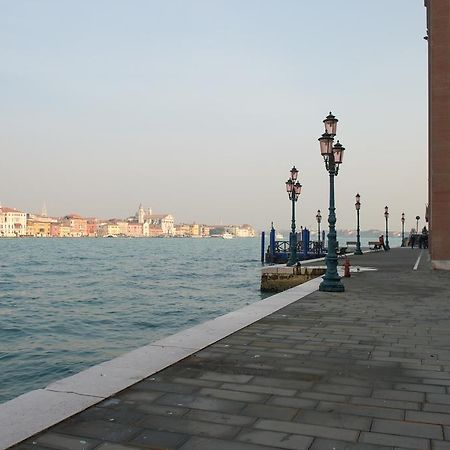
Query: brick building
x=438 y=24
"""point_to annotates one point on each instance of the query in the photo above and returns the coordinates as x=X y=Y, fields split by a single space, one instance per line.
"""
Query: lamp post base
x=358 y=252
x=331 y=285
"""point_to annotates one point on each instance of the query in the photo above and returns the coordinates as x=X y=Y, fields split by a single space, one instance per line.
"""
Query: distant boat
x=110 y=236
x=279 y=237
x=227 y=236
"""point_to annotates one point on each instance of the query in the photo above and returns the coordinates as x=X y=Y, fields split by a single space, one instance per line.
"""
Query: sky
x=199 y=108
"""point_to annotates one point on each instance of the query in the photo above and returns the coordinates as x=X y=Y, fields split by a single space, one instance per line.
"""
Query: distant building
x=77 y=224
x=108 y=229
x=38 y=228
x=244 y=231
x=13 y=223
x=91 y=227
x=135 y=229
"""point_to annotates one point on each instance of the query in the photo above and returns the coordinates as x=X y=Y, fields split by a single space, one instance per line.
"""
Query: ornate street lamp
x=403 y=229
x=332 y=155
x=386 y=216
x=319 y=219
x=358 y=237
x=417 y=224
x=293 y=188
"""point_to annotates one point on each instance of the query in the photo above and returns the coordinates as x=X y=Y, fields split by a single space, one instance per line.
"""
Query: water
x=67 y=304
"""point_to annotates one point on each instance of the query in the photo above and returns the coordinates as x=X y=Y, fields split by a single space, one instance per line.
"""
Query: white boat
x=227 y=236
x=279 y=237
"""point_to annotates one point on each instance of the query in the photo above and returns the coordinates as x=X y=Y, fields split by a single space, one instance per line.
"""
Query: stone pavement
x=365 y=369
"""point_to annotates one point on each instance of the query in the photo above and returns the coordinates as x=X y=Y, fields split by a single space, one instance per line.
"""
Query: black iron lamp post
x=293 y=188
x=403 y=229
x=319 y=219
x=417 y=224
x=386 y=216
x=332 y=155
x=358 y=236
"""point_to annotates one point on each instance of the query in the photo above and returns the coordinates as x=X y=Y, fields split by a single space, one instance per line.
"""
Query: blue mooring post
x=272 y=243
x=263 y=246
x=305 y=241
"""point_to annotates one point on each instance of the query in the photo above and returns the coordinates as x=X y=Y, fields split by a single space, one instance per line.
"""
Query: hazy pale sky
x=199 y=108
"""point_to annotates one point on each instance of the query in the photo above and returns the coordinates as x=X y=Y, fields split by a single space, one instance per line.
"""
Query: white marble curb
x=38 y=410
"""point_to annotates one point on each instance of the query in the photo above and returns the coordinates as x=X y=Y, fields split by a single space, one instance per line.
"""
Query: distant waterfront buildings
x=14 y=223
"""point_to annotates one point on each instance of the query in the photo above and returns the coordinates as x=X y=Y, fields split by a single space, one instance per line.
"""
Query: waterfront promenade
x=365 y=369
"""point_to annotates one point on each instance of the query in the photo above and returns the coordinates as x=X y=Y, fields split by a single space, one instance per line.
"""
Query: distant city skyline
x=201 y=108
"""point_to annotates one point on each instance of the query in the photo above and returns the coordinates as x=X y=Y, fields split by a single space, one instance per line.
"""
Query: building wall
x=13 y=223
x=41 y=229
x=438 y=21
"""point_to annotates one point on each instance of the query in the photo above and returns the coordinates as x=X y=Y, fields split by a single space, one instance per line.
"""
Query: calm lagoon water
x=66 y=304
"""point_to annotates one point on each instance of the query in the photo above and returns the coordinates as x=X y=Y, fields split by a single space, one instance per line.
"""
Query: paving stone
x=206 y=403
x=99 y=429
x=436 y=407
x=428 y=374
x=226 y=378
x=285 y=383
x=162 y=410
x=133 y=396
x=341 y=389
x=420 y=388
x=292 y=402
x=324 y=396
x=113 y=446
x=440 y=445
x=307 y=430
x=160 y=439
x=334 y=419
x=176 y=388
x=437 y=381
x=269 y=411
x=328 y=444
x=227 y=419
x=428 y=417
x=362 y=410
x=196 y=382
x=187 y=426
x=234 y=395
x=274 y=439
x=351 y=381
x=447 y=433
x=439 y=398
x=394 y=440
x=197 y=443
x=64 y=442
x=385 y=403
x=259 y=389
x=407 y=428
x=392 y=394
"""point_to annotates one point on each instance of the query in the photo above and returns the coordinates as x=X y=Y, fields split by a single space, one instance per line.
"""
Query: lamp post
x=332 y=155
x=403 y=229
x=319 y=219
x=293 y=188
x=417 y=224
x=386 y=216
x=358 y=237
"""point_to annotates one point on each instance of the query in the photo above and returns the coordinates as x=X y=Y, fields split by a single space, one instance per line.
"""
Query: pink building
x=134 y=229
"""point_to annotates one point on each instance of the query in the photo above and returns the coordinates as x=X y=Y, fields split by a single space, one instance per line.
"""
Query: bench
x=351 y=243
x=375 y=245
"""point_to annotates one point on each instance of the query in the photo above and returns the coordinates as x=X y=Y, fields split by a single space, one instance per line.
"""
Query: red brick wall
x=438 y=18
